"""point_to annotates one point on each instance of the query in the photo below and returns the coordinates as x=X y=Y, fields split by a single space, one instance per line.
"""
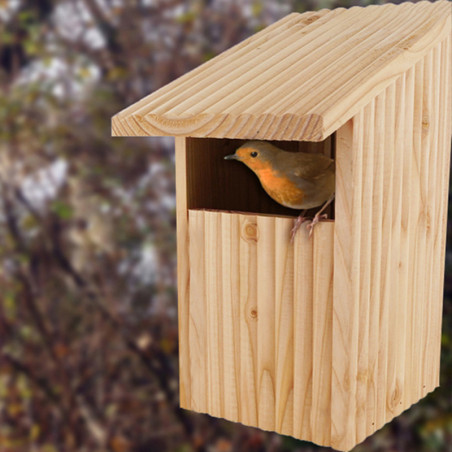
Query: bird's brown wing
x=311 y=166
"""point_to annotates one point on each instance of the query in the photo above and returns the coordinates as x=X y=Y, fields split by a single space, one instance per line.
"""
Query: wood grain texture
x=322 y=322
x=183 y=271
x=303 y=334
x=284 y=327
x=266 y=369
x=197 y=334
x=345 y=309
x=230 y=275
x=392 y=166
x=248 y=318
x=248 y=366
x=283 y=83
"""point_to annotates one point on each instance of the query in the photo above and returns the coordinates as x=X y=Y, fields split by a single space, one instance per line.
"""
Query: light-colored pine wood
x=396 y=325
x=345 y=309
x=386 y=295
x=266 y=369
x=230 y=315
x=248 y=366
x=426 y=151
x=322 y=322
x=248 y=318
x=408 y=221
x=197 y=333
x=402 y=212
x=430 y=112
x=282 y=83
x=374 y=387
x=284 y=328
x=303 y=334
x=419 y=168
x=437 y=184
x=366 y=148
x=183 y=273
x=214 y=308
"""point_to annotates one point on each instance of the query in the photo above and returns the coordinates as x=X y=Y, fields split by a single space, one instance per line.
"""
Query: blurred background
x=88 y=302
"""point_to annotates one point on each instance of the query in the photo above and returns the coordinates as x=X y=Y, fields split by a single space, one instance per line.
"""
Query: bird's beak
x=231 y=157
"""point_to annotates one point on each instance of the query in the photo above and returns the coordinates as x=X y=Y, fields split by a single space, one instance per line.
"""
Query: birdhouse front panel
x=260 y=322
x=325 y=338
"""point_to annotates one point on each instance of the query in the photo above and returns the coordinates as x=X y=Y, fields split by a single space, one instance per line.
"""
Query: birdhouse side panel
x=260 y=313
x=392 y=163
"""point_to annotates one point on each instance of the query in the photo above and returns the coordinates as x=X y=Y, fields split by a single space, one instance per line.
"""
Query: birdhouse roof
x=298 y=79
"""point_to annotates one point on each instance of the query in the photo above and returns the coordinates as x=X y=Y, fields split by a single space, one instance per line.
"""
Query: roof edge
x=243 y=126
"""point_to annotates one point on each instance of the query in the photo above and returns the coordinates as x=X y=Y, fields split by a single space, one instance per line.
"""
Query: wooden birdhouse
x=327 y=338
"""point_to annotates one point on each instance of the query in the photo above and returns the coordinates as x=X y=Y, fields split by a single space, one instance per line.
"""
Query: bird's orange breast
x=281 y=188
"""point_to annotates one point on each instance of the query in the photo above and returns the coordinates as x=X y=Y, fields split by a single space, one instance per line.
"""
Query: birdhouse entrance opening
x=217 y=184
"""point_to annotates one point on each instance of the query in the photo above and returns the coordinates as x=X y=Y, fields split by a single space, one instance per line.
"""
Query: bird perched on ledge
x=294 y=179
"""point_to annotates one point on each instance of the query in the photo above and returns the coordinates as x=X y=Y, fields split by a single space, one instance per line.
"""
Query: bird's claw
x=298 y=222
x=315 y=220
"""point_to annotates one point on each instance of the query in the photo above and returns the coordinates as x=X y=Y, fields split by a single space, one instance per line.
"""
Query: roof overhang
x=299 y=79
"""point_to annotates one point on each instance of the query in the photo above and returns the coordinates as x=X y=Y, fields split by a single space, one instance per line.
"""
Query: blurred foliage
x=88 y=318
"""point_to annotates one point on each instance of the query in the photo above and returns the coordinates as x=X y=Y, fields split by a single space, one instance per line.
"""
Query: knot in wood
x=253 y=312
x=395 y=397
x=250 y=232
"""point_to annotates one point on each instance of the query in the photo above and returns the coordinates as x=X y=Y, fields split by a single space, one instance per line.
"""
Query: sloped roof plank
x=299 y=79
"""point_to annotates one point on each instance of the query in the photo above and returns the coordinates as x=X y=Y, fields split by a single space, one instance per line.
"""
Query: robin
x=294 y=179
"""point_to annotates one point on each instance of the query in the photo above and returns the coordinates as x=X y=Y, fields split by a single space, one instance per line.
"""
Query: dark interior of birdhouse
x=217 y=184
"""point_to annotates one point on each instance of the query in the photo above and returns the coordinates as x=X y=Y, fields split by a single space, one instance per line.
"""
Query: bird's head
x=257 y=155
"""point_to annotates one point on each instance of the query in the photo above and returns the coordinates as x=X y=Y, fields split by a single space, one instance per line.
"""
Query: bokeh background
x=88 y=302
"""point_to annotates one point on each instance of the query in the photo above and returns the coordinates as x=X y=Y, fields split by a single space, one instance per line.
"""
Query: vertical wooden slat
x=377 y=253
x=303 y=339
x=391 y=226
x=418 y=246
x=197 y=324
x=248 y=319
x=408 y=219
x=434 y=240
x=363 y=283
x=229 y=240
x=430 y=211
x=345 y=302
x=386 y=295
x=213 y=283
x=322 y=334
x=183 y=273
x=354 y=307
x=424 y=217
x=266 y=322
x=284 y=315
x=395 y=321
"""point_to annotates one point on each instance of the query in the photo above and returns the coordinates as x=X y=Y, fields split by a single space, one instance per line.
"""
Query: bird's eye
x=253 y=154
